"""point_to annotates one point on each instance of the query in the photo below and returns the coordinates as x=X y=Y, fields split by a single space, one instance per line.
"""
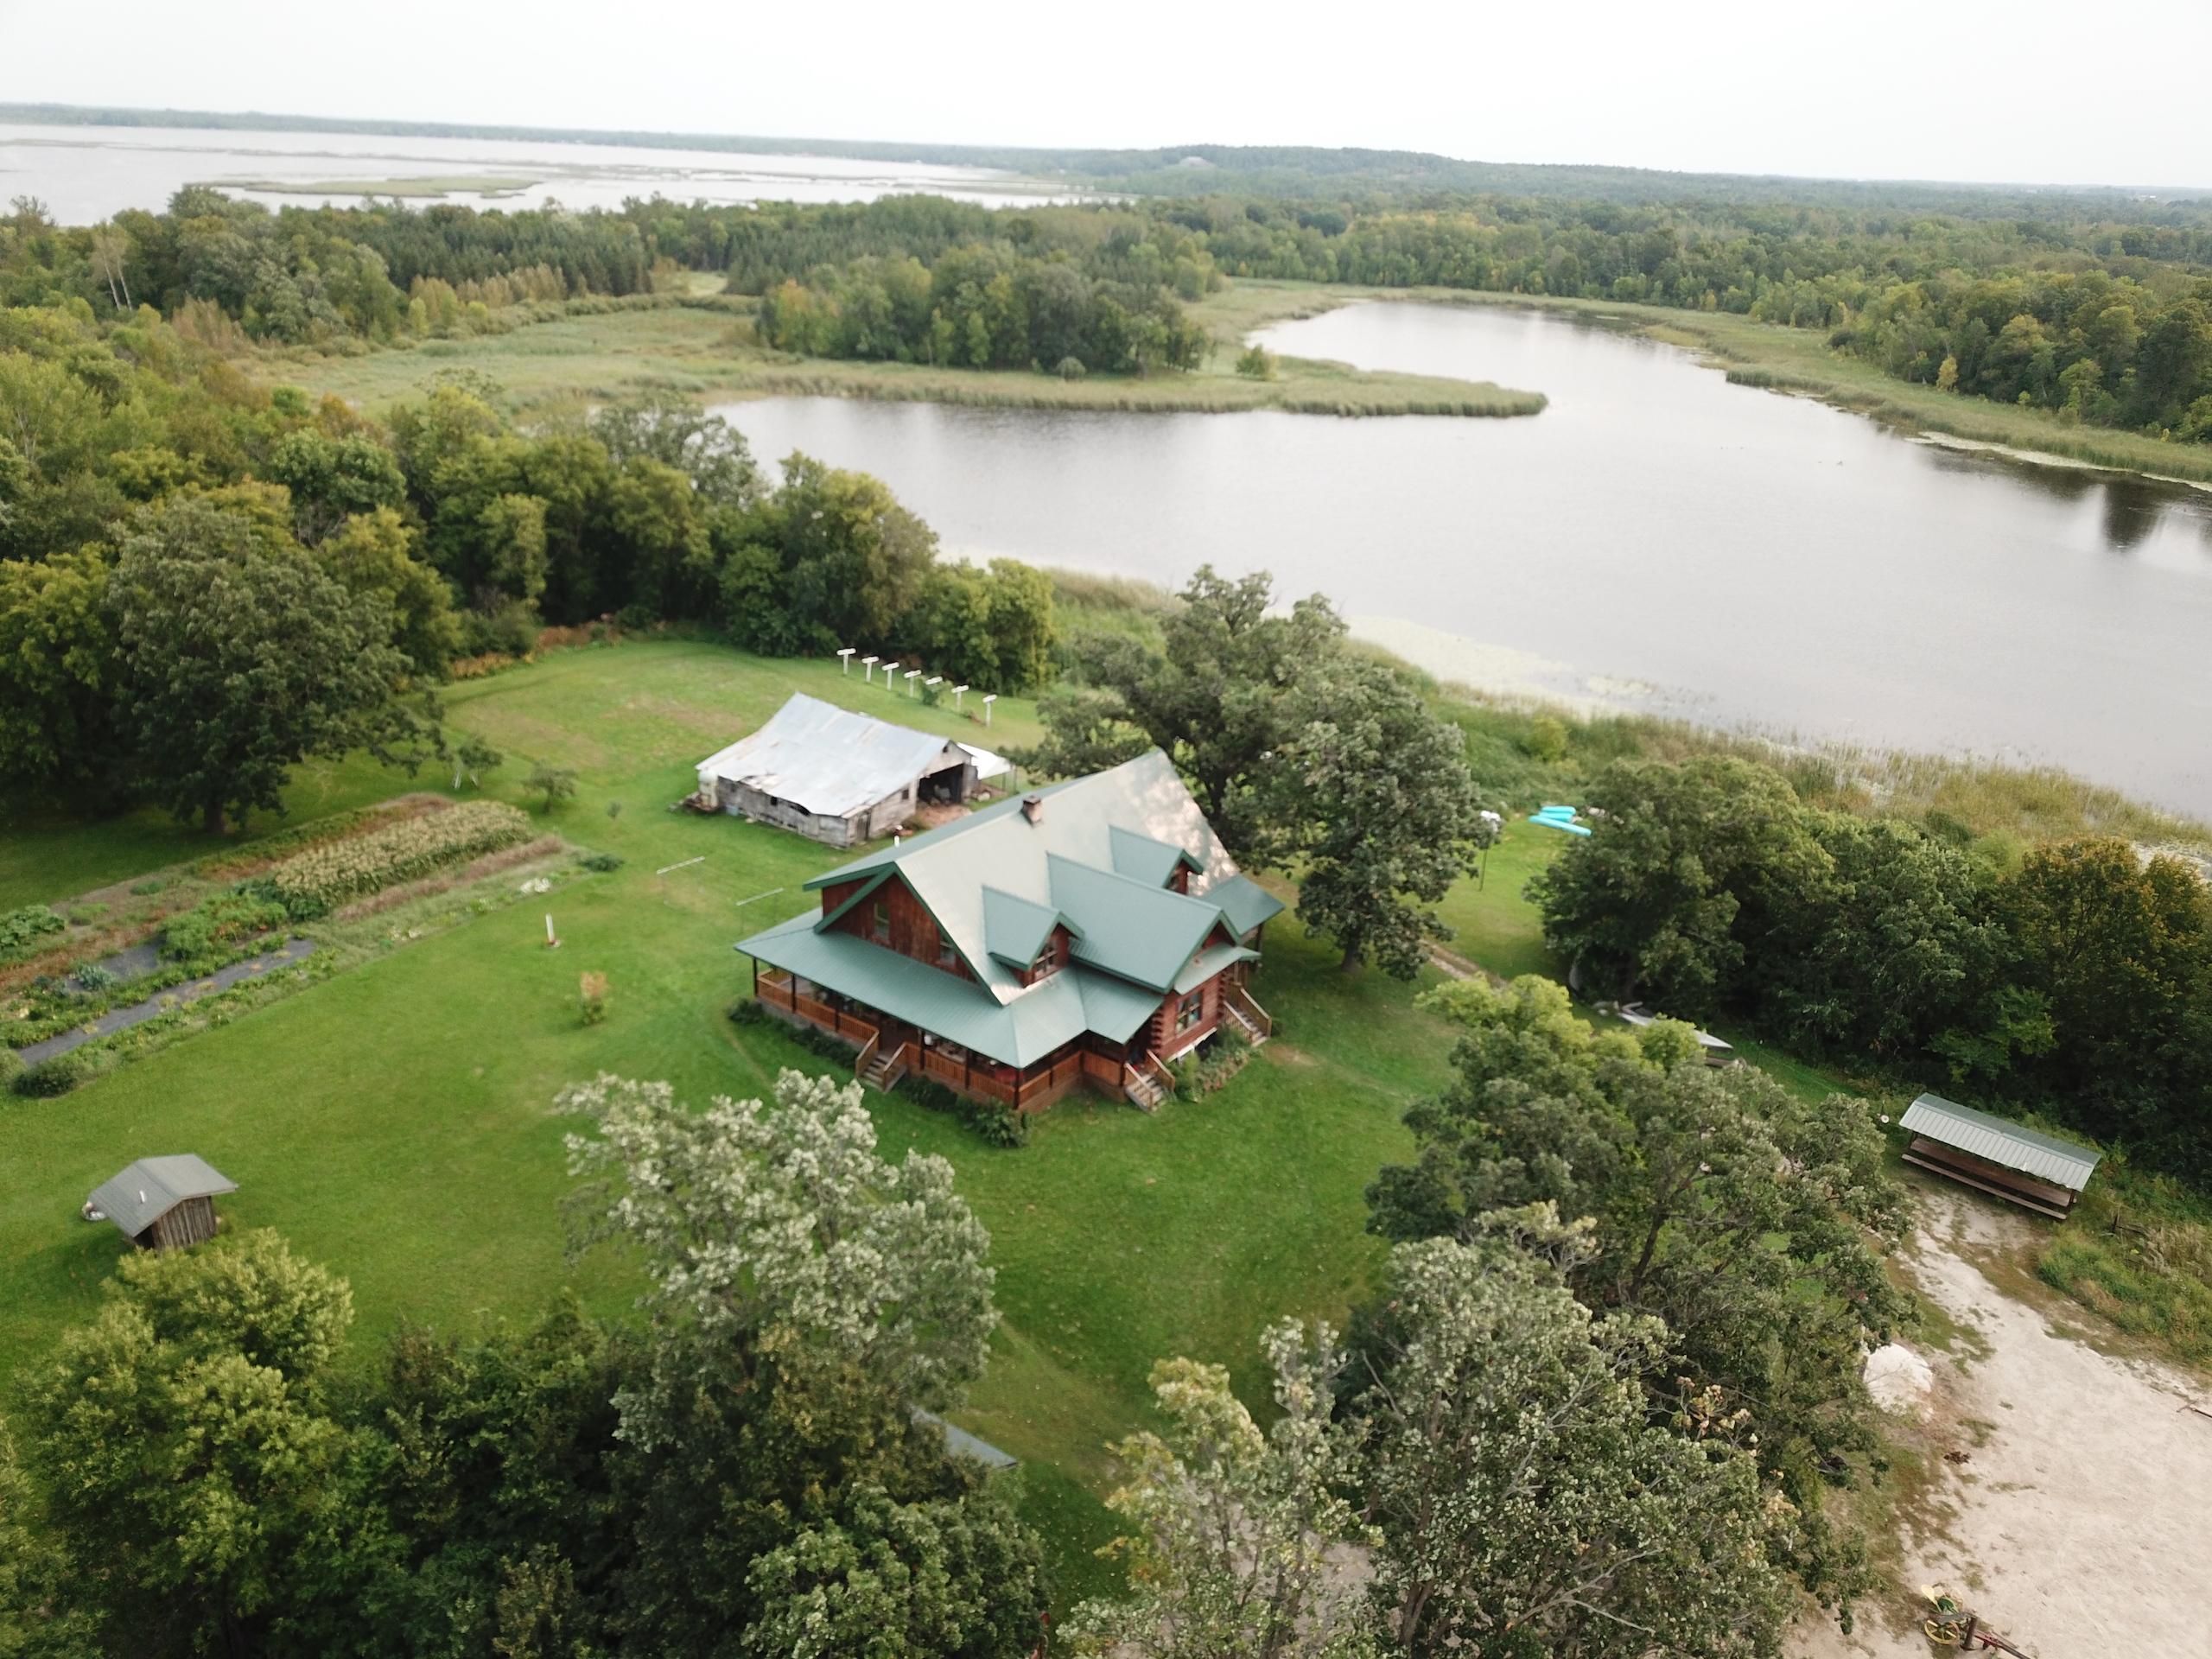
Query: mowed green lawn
x=394 y=1121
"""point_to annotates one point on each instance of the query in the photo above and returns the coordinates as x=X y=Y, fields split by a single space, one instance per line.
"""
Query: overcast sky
x=2024 y=90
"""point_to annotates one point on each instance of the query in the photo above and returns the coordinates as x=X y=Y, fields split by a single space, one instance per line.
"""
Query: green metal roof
x=1244 y=901
x=1014 y=930
x=1210 y=962
x=1140 y=932
x=1097 y=859
x=1020 y=1032
x=1138 y=813
x=1112 y=1008
x=2000 y=1141
x=1143 y=859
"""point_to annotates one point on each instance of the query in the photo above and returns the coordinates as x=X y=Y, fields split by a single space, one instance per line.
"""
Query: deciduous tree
x=237 y=663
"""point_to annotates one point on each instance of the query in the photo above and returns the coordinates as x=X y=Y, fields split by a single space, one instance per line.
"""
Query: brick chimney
x=1032 y=808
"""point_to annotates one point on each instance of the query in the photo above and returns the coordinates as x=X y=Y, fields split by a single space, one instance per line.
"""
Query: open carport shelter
x=2036 y=1171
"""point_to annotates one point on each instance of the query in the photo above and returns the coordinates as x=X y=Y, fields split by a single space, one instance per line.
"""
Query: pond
x=1656 y=539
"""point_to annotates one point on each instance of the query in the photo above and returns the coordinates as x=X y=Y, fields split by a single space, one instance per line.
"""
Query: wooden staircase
x=1147 y=1085
x=880 y=1071
x=1251 y=1019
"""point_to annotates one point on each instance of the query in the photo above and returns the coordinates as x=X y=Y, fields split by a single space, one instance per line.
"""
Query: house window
x=880 y=924
x=1047 y=963
x=1190 y=1010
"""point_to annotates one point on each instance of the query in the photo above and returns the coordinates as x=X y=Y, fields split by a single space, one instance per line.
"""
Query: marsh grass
x=702 y=346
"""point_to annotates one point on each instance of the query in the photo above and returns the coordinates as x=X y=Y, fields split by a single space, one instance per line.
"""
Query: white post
x=890 y=677
x=845 y=660
x=867 y=667
x=989 y=699
x=913 y=674
x=958 y=692
x=551 y=940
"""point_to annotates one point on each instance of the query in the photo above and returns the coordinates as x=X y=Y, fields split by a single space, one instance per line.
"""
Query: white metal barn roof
x=2001 y=1142
x=826 y=759
x=987 y=764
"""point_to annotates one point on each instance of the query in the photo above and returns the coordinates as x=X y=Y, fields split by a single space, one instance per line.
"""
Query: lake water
x=1656 y=539
x=85 y=174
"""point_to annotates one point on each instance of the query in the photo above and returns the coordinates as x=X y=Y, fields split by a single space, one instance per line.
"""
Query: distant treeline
x=1286 y=170
x=2105 y=319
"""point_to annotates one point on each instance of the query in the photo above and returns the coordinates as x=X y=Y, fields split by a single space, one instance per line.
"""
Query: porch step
x=882 y=1071
x=1145 y=1092
x=1245 y=1023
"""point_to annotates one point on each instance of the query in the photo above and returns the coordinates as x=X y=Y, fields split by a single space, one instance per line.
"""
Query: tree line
x=2071 y=304
x=204 y=583
x=2073 y=978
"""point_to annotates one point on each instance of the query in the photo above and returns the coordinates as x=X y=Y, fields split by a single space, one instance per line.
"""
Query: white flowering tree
x=1235 y=1526
x=773 y=1233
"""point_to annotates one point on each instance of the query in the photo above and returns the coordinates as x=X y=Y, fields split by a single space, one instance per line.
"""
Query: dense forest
x=2102 y=316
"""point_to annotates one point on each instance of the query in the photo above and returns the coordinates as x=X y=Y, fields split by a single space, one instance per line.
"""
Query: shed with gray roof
x=836 y=776
x=163 y=1204
x=2036 y=1171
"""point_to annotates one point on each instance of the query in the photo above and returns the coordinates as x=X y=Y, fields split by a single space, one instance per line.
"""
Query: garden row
x=349 y=861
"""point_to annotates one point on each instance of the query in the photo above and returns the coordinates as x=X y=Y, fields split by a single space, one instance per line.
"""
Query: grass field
x=708 y=353
x=394 y=1122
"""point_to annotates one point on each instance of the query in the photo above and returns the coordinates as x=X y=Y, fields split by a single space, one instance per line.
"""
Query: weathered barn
x=163 y=1204
x=836 y=776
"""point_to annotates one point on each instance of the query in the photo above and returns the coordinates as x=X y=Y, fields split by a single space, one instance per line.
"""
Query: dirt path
x=2076 y=1523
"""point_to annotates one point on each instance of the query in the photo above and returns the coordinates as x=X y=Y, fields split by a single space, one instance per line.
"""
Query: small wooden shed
x=163 y=1204
x=2025 y=1166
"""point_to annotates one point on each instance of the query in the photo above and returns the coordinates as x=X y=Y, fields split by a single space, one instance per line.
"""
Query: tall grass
x=2137 y=1249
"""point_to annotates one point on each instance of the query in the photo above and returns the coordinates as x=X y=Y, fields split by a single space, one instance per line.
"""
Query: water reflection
x=1658 y=537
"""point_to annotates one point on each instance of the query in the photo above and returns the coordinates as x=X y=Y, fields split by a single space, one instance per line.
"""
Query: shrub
x=1256 y=363
x=591 y=991
x=21 y=927
x=10 y=1065
x=51 y=1079
x=556 y=783
x=152 y=885
x=603 y=863
x=997 y=1124
x=1546 y=740
x=95 y=978
x=322 y=878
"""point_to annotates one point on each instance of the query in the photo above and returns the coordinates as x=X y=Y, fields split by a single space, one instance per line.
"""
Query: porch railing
x=780 y=991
